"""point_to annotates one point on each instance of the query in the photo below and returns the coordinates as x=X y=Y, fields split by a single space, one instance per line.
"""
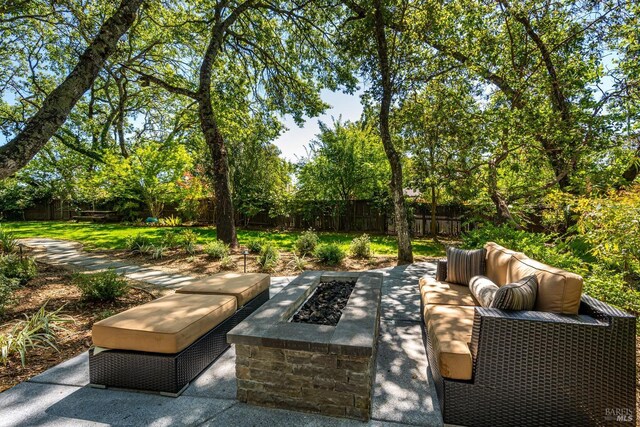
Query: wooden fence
x=352 y=216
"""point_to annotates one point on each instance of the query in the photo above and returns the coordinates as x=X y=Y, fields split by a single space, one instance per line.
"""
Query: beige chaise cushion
x=558 y=291
x=498 y=259
x=166 y=325
x=244 y=286
x=435 y=292
x=449 y=328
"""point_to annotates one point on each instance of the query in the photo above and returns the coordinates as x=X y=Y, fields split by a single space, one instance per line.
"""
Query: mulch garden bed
x=53 y=286
x=177 y=261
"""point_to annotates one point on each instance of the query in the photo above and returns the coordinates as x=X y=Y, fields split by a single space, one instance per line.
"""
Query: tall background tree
x=259 y=58
x=56 y=106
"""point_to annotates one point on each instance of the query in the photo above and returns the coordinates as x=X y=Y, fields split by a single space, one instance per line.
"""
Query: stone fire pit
x=315 y=368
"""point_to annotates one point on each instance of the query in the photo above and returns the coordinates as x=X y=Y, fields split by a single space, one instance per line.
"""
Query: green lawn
x=114 y=236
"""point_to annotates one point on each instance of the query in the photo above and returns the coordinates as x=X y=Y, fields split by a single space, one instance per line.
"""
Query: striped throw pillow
x=520 y=295
x=462 y=265
x=483 y=289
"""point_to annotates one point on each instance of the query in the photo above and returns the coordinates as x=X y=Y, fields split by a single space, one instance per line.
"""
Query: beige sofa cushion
x=244 y=286
x=435 y=292
x=498 y=259
x=449 y=328
x=558 y=291
x=166 y=325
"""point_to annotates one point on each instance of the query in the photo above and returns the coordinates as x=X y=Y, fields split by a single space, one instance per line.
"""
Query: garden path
x=68 y=253
x=404 y=393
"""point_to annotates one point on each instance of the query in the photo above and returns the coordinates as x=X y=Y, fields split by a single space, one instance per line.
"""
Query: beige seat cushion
x=244 y=286
x=558 y=291
x=449 y=328
x=498 y=259
x=435 y=292
x=166 y=325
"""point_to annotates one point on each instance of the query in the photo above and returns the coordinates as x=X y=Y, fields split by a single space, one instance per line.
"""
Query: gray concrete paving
x=403 y=393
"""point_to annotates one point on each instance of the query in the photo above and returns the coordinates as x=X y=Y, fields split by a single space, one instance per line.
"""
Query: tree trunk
x=405 y=253
x=225 y=220
x=632 y=171
x=122 y=100
x=59 y=103
x=434 y=206
x=502 y=208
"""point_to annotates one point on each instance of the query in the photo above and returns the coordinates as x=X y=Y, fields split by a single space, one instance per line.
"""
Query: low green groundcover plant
x=13 y=266
x=36 y=331
x=255 y=244
x=8 y=242
x=216 y=249
x=102 y=286
x=268 y=257
x=298 y=263
x=7 y=286
x=188 y=240
x=306 y=243
x=329 y=253
x=361 y=247
x=170 y=239
x=138 y=243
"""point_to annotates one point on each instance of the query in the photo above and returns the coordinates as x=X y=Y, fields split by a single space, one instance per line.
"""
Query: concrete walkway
x=403 y=391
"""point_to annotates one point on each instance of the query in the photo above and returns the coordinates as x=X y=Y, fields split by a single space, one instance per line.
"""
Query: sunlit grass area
x=114 y=236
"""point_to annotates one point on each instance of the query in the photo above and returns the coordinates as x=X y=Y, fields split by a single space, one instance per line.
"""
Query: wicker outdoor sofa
x=568 y=362
x=163 y=345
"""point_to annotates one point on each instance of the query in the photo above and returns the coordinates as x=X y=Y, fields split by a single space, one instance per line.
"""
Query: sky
x=292 y=142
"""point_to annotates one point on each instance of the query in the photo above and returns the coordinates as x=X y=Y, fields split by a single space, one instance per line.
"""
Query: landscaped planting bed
x=53 y=286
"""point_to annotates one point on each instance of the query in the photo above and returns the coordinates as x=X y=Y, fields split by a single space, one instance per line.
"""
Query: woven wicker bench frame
x=536 y=369
x=168 y=374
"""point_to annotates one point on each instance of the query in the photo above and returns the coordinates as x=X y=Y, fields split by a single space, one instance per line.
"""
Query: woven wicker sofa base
x=168 y=374
x=578 y=372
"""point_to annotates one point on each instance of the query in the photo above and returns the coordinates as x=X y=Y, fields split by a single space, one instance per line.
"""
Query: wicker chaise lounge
x=568 y=362
x=163 y=345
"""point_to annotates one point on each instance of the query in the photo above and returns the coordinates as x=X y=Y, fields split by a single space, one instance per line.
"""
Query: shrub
x=135 y=243
x=361 y=247
x=255 y=244
x=547 y=248
x=103 y=286
x=21 y=268
x=611 y=226
x=188 y=240
x=170 y=239
x=268 y=258
x=157 y=251
x=307 y=242
x=8 y=242
x=171 y=221
x=298 y=263
x=329 y=253
x=36 y=331
x=227 y=263
x=7 y=286
x=216 y=249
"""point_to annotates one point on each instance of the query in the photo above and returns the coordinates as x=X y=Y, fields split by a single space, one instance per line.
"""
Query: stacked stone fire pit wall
x=331 y=384
x=307 y=367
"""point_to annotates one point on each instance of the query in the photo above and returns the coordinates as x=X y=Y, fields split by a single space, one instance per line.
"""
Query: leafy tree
x=346 y=162
x=262 y=56
x=261 y=179
x=58 y=104
x=384 y=54
x=154 y=172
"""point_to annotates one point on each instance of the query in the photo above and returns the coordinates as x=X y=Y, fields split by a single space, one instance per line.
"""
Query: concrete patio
x=403 y=390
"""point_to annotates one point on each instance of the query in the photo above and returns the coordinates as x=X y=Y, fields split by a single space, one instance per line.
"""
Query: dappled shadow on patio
x=403 y=391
